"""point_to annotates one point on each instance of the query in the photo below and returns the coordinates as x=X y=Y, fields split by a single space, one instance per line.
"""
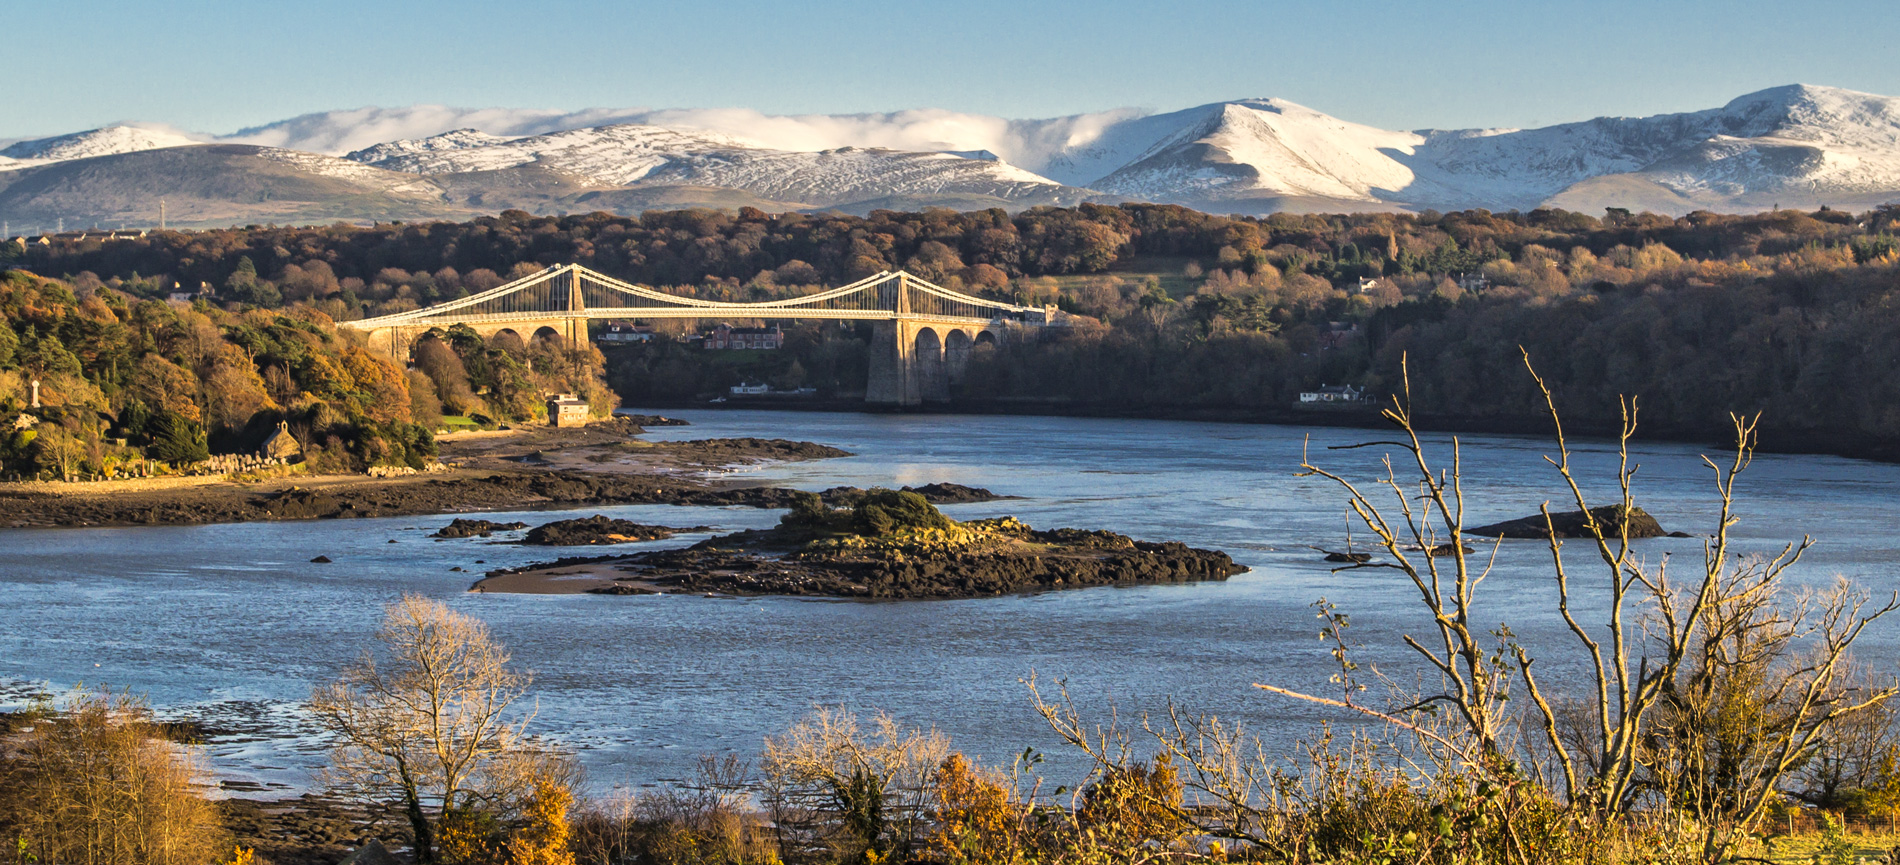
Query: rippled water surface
x=234 y=624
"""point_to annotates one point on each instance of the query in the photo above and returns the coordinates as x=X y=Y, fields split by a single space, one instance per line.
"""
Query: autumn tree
x=95 y=783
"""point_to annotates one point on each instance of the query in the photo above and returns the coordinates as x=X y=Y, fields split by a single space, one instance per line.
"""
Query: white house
x=1339 y=393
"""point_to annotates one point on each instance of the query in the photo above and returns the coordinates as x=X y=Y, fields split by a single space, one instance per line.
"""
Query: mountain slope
x=215 y=184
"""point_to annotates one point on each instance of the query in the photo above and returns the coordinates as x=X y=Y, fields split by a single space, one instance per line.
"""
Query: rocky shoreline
x=530 y=469
x=461 y=492
x=541 y=468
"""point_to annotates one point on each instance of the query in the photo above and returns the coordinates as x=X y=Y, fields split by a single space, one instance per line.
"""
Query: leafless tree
x=1669 y=663
x=830 y=782
x=430 y=724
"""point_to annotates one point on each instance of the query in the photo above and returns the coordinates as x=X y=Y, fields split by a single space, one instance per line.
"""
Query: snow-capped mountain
x=1815 y=144
x=105 y=141
x=1260 y=148
x=1794 y=146
x=1804 y=145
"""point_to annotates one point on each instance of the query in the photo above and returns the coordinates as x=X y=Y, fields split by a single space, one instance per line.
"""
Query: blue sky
x=216 y=66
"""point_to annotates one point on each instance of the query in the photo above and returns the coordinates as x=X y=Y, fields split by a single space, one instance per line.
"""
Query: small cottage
x=566 y=409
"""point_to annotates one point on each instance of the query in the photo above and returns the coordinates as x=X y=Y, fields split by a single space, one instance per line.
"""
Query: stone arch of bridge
x=914 y=362
x=399 y=342
x=932 y=374
x=956 y=354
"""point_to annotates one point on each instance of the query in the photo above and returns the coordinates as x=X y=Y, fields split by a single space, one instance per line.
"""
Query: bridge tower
x=914 y=358
x=575 y=324
x=893 y=375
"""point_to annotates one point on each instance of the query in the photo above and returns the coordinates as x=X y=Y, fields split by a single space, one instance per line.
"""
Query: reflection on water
x=235 y=624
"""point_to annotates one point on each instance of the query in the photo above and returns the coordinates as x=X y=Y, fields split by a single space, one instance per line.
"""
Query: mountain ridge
x=1795 y=145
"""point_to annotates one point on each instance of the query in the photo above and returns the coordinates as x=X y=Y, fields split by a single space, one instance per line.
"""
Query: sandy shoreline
x=565 y=580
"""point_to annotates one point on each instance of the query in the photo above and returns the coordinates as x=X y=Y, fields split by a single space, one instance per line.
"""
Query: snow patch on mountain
x=344 y=169
x=460 y=139
x=608 y=156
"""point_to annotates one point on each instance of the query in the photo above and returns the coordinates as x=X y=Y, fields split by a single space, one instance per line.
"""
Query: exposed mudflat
x=309 y=830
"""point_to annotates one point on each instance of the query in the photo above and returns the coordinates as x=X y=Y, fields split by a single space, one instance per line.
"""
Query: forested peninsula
x=100 y=381
x=1177 y=313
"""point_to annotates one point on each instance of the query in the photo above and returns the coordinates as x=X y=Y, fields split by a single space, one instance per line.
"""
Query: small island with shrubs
x=879 y=544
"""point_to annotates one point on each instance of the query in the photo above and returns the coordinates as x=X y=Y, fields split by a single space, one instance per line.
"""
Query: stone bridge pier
x=915 y=362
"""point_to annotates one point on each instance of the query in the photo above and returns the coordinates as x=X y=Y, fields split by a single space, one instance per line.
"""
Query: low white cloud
x=340 y=132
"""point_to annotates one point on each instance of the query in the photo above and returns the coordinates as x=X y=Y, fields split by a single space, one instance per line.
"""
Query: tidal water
x=233 y=625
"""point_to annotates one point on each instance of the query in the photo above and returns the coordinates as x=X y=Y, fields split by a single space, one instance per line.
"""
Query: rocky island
x=877 y=544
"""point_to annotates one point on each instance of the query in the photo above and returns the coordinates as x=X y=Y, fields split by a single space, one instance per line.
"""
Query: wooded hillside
x=1788 y=312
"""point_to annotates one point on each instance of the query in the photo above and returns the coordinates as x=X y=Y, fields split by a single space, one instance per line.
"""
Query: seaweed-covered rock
x=646 y=420
x=1571 y=524
x=297 y=503
x=751 y=448
x=935 y=493
x=461 y=528
x=598 y=529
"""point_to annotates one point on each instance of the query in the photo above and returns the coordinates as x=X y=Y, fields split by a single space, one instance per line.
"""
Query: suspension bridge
x=921 y=335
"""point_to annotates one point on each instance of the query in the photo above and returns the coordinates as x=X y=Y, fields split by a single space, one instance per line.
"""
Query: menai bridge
x=921 y=337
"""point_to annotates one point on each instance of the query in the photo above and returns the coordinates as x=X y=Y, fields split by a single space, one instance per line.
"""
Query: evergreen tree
x=9 y=345
x=176 y=439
